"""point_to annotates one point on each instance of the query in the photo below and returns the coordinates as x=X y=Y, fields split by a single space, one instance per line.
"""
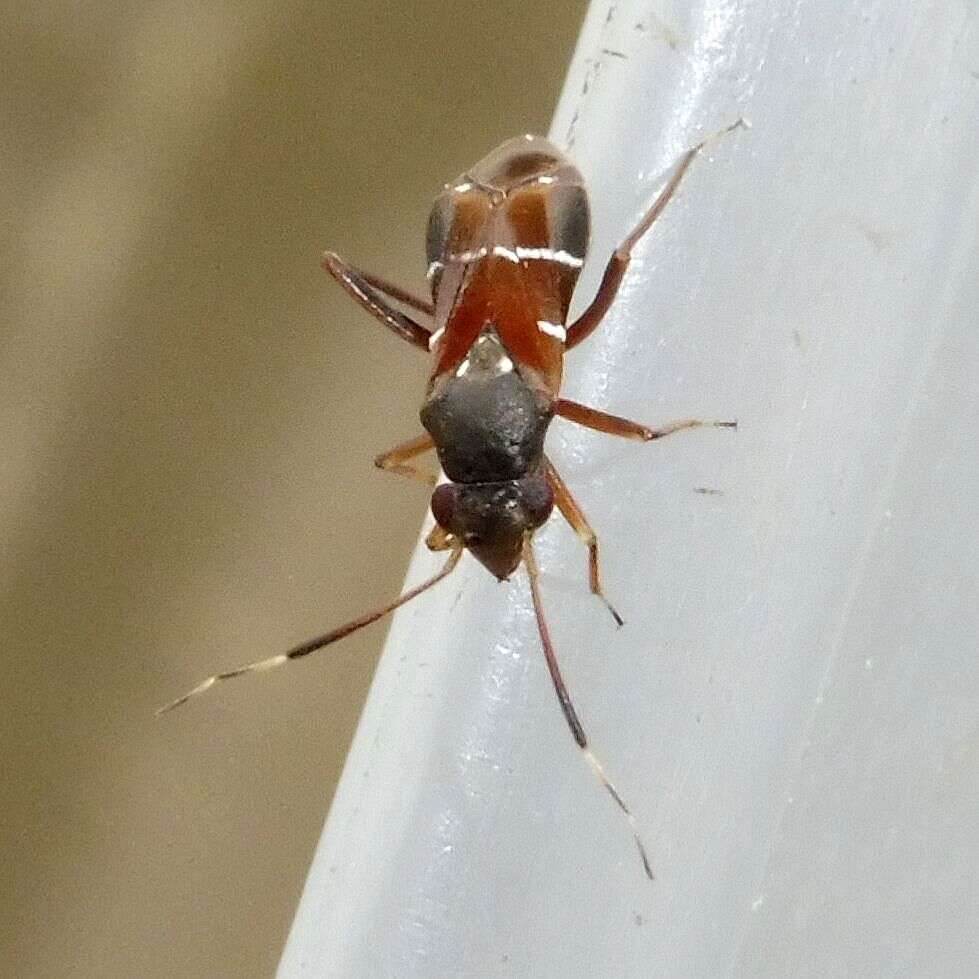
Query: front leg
x=600 y=421
x=439 y=539
x=396 y=459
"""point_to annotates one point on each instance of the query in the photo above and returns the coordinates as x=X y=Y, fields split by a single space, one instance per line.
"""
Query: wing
x=506 y=242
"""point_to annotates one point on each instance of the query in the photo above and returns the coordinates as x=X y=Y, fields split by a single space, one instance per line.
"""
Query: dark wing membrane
x=519 y=161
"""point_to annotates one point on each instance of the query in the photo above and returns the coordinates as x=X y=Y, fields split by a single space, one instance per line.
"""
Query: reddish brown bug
x=506 y=242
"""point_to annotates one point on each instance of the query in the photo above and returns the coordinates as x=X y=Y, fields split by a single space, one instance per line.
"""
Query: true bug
x=506 y=242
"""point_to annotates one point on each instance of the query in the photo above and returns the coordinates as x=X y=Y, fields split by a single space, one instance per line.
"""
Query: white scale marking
x=521 y=253
x=553 y=329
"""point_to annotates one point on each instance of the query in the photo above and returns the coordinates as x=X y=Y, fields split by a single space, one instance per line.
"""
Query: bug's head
x=491 y=519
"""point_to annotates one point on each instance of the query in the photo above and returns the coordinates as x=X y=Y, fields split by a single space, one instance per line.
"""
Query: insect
x=505 y=246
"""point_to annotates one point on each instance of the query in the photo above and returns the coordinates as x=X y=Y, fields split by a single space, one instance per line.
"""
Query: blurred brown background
x=189 y=409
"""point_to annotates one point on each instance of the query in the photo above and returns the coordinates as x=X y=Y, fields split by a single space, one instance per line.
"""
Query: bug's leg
x=439 y=539
x=312 y=645
x=619 y=262
x=571 y=512
x=370 y=291
x=397 y=293
x=600 y=421
x=577 y=731
x=396 y=459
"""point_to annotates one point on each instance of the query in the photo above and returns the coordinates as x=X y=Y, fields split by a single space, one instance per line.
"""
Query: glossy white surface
x=790 y=708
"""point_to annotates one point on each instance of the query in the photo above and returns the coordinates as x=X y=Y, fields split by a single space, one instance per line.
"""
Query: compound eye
x=538 y=500
x=444 y=505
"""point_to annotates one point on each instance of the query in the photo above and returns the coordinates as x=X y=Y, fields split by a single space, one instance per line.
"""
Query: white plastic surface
x=791 y=707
